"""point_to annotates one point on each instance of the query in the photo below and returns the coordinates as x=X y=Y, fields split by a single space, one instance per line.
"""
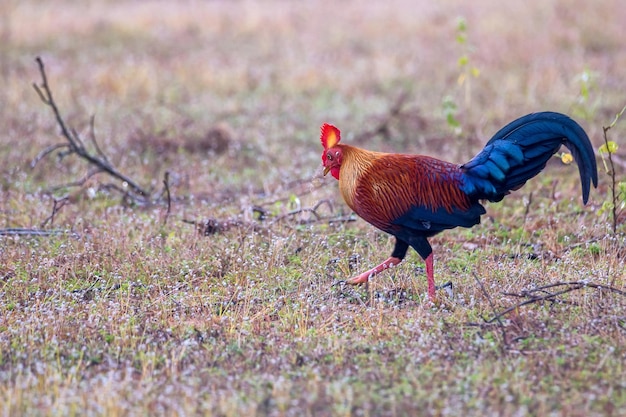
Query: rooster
x=414 y=197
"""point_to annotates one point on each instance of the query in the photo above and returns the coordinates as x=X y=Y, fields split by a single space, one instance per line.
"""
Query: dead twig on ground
x=610 y=169
x=56 y=207
x=533 y=297
x=306 y=186
x=312 y=210
x=75 y=144
x=573 y=285
x=78 y=183
x=383 y=128
x=166 y=190
x=212 y=226
x=497 y=318
x=527 y=205
x=18 y=231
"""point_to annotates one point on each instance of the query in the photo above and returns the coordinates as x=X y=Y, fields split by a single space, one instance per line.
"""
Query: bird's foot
x=444 y=286
x=439 y=301
x=447 y=287
x=365 y=276
x=360 y=279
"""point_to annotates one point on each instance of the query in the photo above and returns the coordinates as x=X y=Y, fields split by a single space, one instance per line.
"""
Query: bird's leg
x=430 y=276
x=423 y=248
x=365 y=276
x=398 y=254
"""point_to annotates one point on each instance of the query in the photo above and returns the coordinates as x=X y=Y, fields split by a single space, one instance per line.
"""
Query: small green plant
x=617 y=203
x=450 y=110
x=585 y=108
x=467 y=72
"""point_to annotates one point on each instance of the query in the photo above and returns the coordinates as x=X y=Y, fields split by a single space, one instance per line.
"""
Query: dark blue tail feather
x=521 y=149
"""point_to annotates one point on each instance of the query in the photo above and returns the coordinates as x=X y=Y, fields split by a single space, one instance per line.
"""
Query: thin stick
x=92 y=136
x=73 y=139
x=166 y=186
x=493 y=309
x=77 y=183
x=46 y=152
x=18 y=231
x=550 y=296
x=383 y=126
x=527 y=208
x=56 y=207
x=605 y=129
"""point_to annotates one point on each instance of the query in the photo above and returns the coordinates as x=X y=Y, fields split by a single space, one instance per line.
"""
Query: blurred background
x=161 y=78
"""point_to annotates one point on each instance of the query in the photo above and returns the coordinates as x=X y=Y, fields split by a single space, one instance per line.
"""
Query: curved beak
x=326 y=169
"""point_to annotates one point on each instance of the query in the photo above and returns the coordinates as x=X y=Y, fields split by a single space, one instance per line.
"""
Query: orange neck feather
x=355 y=163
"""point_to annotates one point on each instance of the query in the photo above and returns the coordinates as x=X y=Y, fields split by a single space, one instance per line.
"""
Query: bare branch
x=324 y=201
x=77 y=183
x=493 y=309
x=383 y=127
x=46 y=152
x=166 y=186
x=18 y=231
x=527 y=208
x=549 y=296
x=313 y=210
x=213 y=226
x=40 y=94
x=612 y=174
x=77 y=139
x=57 y=206
x=575 y=284
x=75 y=144
x=46 y=96
x=296 y=183
x=92 y=136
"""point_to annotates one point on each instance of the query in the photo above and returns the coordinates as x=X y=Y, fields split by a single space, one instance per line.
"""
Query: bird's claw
x=447 y=287
x=444 y=286
x=360 y=279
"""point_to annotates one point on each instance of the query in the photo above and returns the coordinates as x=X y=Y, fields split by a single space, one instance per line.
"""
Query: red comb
x=330 y=136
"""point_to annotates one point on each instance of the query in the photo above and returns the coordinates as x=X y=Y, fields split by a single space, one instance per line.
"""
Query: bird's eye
x=329 y=156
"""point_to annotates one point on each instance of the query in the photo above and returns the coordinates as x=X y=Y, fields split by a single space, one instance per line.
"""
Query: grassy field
x=125 y=307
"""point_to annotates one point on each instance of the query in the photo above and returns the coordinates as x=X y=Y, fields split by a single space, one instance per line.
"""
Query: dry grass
x=129 y=315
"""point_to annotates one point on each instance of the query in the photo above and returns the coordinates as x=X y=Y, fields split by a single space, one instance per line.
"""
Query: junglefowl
x=414 y=197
